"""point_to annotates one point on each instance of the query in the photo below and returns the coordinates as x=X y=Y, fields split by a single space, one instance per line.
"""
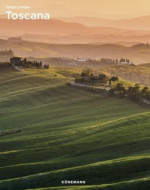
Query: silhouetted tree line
x=134 y=93
x=115 y=61
x=124 y=60
x=31 y=63
x=141 y=45
x=88 y=77
x=6 y=52
x=109 y=61
x=17 y=61
x=46 y=66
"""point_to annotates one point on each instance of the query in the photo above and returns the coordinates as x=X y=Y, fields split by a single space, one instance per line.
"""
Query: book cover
x=74 y=95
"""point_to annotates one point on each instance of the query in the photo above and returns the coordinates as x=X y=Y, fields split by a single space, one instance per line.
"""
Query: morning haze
x=115 y=9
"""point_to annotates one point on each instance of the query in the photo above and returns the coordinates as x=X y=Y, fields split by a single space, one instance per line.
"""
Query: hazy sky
x=114 y=9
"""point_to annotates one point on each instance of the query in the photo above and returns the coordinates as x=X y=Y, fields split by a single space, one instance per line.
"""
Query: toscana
x=27 y=16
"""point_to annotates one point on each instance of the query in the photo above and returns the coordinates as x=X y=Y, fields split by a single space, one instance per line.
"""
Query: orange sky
x=114 y=9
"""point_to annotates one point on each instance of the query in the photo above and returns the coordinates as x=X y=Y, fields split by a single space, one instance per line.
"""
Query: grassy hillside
x=69 y=134
x=136 y=74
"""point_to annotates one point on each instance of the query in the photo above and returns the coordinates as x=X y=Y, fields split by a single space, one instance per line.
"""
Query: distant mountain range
x=58 y=31
x=137 y=54
x=139 y=23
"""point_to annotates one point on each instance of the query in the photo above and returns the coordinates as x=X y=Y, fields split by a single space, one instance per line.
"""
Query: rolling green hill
x=51 y=132
x=136 y=74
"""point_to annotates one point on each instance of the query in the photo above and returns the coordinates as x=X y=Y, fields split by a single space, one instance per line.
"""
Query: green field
x=69 y=134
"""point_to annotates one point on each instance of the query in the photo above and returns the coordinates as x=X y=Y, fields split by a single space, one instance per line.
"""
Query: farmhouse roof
x=16 y=58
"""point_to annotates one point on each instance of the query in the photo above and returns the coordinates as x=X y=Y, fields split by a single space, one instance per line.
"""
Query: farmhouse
x=23 y=62
x=81 y=59
x=124 y=62
x=16 y=61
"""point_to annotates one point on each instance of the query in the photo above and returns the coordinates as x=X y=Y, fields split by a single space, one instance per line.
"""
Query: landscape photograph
x=74 y=95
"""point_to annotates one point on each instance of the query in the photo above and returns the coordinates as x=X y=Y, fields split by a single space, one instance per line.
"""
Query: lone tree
x=113 y=79
x=134 y=93
x=134 y=90
x=145 y=92
x=120 y=88
x=103 y=78
x=86 y=72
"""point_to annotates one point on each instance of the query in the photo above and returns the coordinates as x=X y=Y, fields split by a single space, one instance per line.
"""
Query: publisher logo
x=73 y=182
